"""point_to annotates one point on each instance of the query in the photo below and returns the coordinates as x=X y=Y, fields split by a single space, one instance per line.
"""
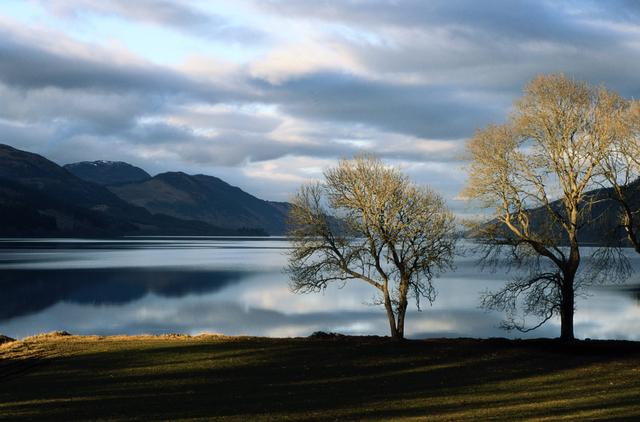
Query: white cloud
x=302 y=58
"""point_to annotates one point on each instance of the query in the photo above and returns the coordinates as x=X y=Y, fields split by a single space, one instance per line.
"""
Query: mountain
x=52 y=181
x=204 y=198
x=26 y=211
x=603 y=214
x=607 y=228
x=107 y=172
x=38 y=197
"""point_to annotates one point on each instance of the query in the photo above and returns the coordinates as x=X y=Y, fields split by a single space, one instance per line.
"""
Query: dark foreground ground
x=56 y=377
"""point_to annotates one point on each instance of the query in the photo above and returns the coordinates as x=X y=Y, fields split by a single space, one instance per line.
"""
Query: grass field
x=57 y=377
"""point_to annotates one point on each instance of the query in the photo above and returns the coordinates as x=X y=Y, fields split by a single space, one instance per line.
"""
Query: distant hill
x=605 y=227
x=38 y=197
x=107 y=172
x=204 y=198
x=38 y=174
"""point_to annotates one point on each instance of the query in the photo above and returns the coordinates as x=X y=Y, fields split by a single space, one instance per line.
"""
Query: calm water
x=237 y=286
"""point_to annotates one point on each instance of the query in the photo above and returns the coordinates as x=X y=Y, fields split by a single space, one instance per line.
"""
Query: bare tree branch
x=369 y=222
x=536 y=171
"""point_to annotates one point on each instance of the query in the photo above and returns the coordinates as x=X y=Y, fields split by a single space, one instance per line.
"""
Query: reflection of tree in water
x=25 y=292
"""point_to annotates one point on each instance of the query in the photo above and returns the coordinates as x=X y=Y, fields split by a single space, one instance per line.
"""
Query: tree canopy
x=366 y=221
x=536 y=171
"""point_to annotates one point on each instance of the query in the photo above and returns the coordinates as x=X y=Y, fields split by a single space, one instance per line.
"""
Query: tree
x=368 y=222
x=621 y=168
x=536 y=171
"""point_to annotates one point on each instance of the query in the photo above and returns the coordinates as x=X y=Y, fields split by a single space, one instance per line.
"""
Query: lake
x=237 y=286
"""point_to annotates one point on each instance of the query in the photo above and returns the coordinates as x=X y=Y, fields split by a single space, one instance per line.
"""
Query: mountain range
x=600 y=219
x=112 y=198
x=106 y=198
x=107 y=172
x=203 y=198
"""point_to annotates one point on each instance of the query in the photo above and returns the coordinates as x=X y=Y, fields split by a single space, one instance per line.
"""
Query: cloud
x=304 y=57
x=491 y=47
x=178 y=15
x=437 y=112
x=312 y=81
x=528 y=19
x=100 y=112
x=28 y=66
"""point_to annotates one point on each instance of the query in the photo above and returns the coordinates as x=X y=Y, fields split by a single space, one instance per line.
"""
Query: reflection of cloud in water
x=608 y=313
x=195 y=314
x=213 y=313
x=192 y=314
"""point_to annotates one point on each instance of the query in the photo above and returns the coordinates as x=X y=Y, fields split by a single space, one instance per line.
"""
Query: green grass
x=347 y=378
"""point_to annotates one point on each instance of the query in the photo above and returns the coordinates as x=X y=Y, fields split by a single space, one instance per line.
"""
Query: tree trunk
x=390 y=315
x=569 y=274
x=567 y=308
x=402 y=307
x=402 y=310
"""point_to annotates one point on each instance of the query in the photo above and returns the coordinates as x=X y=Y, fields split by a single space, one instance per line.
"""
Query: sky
x=266 y=93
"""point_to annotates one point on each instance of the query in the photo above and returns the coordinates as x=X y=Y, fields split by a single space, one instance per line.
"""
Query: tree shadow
x=344 y=378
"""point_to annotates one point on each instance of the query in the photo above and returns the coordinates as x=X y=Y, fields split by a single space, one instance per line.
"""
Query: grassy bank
x=69 y=377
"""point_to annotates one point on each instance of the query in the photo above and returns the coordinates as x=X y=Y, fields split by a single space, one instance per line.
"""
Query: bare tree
x=621 y=168
x=368 y=222
x=536 y=171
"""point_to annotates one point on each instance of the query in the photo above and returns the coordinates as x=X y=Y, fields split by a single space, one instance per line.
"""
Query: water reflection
x=28 y=291
x=236 y=286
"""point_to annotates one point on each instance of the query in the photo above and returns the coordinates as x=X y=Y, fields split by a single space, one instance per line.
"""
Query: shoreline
x=324 y=336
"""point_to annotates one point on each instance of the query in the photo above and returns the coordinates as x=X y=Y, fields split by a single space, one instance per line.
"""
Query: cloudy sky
x=265 y=94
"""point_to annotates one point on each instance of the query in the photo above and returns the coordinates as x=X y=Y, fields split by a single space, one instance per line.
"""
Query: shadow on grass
x=345 y=378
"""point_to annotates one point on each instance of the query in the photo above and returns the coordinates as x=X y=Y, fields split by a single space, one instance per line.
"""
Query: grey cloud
x=235 y=147
x=86 y=110
x=523 y=19
x=228 y=148
x=498 y=75
x=489 y=49
x=174 y=14
x=230 y=120
x=83 y=99
x=437 y=112
x=499 y=70
x=619 y=10
x=26 y=66
x=161 y=133
x=496 y=46
x=23 y=136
